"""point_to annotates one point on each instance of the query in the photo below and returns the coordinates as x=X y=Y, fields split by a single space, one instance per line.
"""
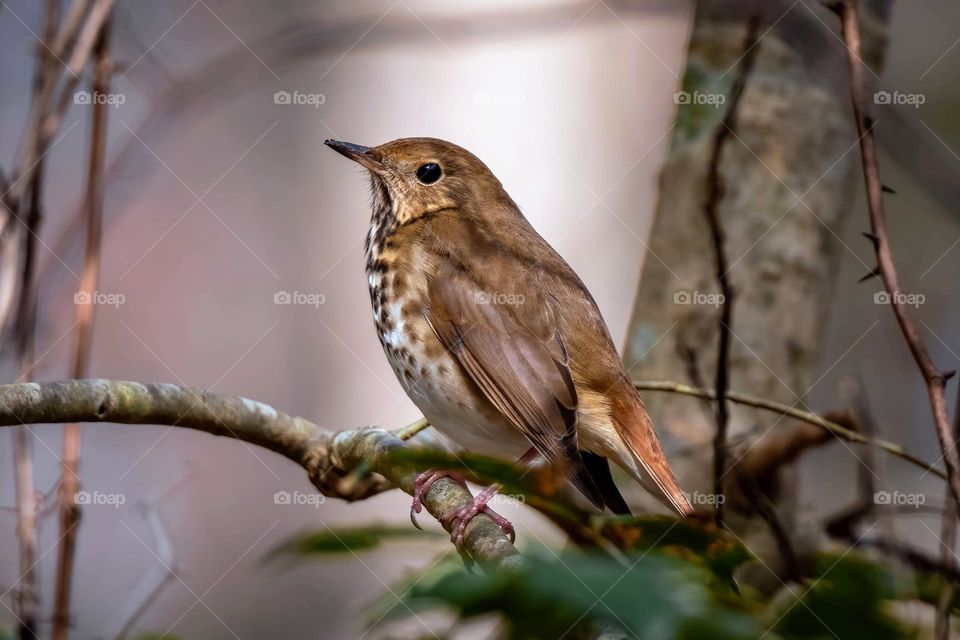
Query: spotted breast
x=399 y=261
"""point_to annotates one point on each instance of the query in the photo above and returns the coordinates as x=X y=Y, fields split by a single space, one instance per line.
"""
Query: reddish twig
x=934 y=378
x=26 y=495
x=47 y=113
x=70 y=459
x=715 y=191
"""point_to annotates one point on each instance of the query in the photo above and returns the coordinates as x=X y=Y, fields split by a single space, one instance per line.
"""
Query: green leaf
x=697 y=541
x=845 y=600
x=537 y=480
x=346 y=539
x=550 y=596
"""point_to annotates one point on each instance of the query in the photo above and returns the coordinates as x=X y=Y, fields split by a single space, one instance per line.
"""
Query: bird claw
x=463 y=516
x=422 y=486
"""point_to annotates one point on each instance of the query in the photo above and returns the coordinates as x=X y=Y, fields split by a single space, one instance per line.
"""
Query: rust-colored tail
x=635 y=428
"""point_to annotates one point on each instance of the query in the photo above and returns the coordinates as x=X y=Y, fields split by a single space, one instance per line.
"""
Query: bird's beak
x=366 y=156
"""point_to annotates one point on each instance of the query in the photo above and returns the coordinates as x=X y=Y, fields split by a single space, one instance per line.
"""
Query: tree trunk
x=788 y=176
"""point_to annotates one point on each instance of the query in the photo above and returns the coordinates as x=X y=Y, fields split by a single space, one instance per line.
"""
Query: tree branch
x=935 y=380
x=715 y=191
x=70 y=458
x=24 y=338
x=327 y=457
x=835 y=428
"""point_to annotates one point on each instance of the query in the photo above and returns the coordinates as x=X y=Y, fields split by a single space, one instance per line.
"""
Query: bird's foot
x=462 y=517
x=423 y=484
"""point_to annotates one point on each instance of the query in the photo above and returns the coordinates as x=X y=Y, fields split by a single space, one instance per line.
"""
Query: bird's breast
x=398 y=296
x=426 y=370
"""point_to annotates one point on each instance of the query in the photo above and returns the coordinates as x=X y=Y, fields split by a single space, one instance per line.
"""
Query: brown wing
x=503 y=333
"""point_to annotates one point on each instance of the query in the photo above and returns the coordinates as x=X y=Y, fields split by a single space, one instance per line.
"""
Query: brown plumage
x=490 y=332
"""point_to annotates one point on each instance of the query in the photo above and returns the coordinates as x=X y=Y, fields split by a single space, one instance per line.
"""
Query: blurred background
x=220 y=195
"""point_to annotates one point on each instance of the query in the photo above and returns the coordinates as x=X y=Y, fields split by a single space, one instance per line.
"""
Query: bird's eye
x=429 y=173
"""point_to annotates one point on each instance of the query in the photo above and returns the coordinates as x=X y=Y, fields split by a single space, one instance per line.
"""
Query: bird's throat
x=383 y=222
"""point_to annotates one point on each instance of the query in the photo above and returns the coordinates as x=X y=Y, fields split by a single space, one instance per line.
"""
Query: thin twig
x=767 y=511
x=715 y=192
x=835 y=428
x=934 y=378
x=26 y=494
x=47 y=114
x=70 y=458
x=72 y=22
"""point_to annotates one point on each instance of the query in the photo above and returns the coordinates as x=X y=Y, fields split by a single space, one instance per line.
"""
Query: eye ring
x=429 y=173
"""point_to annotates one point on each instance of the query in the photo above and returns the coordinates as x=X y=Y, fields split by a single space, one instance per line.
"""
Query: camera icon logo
x=82 y=97
x=881 y=497
x=681 y=97
x=81 y=497
x=882 y=97
x=682 y=297
x=282 y=497
x=881 y=297
x=82 y=297
x=282 y=97
x=282 y=297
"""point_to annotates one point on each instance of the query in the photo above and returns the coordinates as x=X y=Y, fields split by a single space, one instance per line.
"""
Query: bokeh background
x=220 y=195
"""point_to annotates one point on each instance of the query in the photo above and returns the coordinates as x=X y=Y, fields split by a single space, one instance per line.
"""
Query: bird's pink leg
x=462 y=517
x=423 y=484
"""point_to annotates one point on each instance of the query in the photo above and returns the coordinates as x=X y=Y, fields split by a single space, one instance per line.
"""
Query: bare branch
x=935 y=379
x=715 y=190
x=70 y=458
x=25 y=334
x=835 y=428
x=326 y=457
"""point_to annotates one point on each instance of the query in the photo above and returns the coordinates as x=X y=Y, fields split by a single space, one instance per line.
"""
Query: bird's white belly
x=471 y=430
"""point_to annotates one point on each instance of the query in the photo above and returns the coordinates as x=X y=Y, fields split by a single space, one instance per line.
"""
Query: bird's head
x=422 y=176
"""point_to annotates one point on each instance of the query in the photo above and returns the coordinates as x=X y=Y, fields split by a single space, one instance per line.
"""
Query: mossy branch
x=331 y=460
x=327 y=457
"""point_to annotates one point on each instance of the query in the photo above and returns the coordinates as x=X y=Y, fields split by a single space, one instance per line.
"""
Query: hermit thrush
x=491 y=333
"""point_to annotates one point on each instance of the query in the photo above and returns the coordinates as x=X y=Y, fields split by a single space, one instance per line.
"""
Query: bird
x=492 y=334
